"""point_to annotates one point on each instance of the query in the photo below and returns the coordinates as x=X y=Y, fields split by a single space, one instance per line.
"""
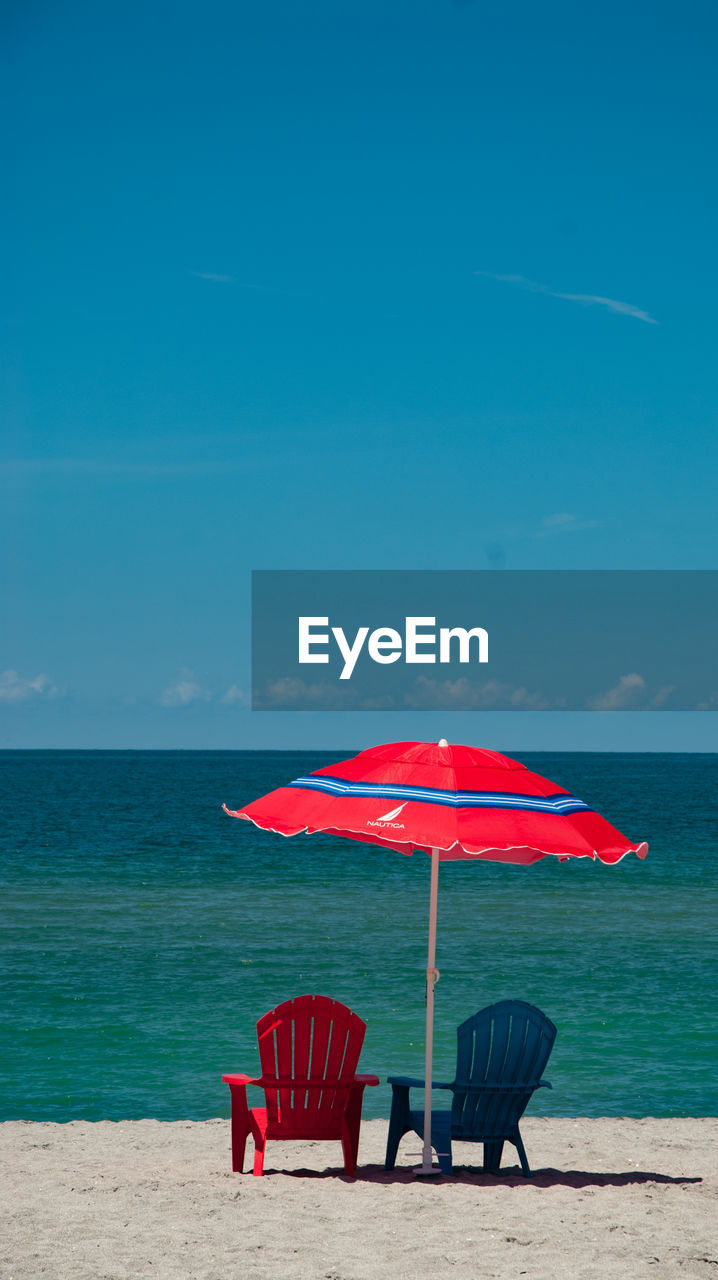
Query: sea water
x=144 y=932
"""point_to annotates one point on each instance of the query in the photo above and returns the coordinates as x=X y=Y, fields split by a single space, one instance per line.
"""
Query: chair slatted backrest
x=310 y=1046
x=507 y=1044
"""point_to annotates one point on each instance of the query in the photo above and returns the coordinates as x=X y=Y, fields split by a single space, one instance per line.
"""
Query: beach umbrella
x=449 y=802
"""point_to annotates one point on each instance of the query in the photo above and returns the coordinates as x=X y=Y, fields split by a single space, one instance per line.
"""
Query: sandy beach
x=111 y=1201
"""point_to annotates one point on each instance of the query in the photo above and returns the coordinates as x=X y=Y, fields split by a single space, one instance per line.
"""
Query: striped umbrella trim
x=560 y=802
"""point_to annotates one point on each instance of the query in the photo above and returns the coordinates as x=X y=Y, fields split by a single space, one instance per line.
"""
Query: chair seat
x=313 y=1133
x=441 y=1125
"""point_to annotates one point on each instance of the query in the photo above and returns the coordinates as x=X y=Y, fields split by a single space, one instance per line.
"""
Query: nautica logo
x=387 y=819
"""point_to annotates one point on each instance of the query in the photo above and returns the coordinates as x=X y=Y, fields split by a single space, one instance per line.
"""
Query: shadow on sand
x=577 y=1178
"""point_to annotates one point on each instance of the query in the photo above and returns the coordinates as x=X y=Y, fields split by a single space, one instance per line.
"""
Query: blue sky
x=400 y=284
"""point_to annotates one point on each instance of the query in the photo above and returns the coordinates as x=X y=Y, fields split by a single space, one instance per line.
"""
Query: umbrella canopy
x=451 y=802
x=465 y=802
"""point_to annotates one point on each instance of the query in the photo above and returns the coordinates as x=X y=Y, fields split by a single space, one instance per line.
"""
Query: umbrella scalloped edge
x=408 y=847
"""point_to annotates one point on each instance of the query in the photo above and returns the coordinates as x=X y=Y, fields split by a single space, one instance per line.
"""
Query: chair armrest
x=408 y=1082
x=298 y=1083
x=497 y=1087
x=269 y=1082
x=544 y=1084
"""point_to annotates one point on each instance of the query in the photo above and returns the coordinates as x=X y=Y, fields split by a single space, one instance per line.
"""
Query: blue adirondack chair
x=501 y=1052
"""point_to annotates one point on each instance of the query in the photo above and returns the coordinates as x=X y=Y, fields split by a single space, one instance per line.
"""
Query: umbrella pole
x=432 y=977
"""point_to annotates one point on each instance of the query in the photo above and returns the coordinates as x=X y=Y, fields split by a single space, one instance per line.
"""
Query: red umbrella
x=449 y=802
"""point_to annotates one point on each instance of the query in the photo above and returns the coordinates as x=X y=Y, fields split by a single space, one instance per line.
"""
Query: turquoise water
x=144 y=932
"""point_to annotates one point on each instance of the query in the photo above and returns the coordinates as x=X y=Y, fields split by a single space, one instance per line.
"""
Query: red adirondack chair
x=309 y=1049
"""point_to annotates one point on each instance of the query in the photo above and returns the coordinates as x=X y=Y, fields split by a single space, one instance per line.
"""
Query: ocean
x=144 y=932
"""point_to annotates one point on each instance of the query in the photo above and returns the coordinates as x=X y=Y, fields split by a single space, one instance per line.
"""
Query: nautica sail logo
x=387 y=819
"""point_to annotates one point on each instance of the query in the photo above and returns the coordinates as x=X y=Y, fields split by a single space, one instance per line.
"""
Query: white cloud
x=15 y=688
x=560 y=519
x=290 y=691
x=184 y=691
x=584 y=299
x=632 y=694
x=611 y=304
x=563 y=522
x=529 y=701
x=234 y=695
x=622 y=697
x=213 y=276
x=710 y=703
x=660 y=698
x=464 y=695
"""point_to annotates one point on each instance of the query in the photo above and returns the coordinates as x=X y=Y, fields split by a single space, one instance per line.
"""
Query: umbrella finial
x=443 y=742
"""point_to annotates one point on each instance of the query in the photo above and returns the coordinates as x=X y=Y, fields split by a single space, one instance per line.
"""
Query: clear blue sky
x=345 y=285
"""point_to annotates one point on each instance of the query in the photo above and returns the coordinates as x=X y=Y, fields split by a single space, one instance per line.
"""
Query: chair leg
x=352 y=1118
x=518 y=1143
x=259 y=1145
x=446 y=1161
x=492 y=1156
x=240 y=1133
x=348 y=1150
x=240 y=1127
x=396 y=1133
x=399 y=1123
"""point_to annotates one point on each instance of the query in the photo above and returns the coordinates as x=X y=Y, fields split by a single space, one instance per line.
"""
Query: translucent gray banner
x=512 y=640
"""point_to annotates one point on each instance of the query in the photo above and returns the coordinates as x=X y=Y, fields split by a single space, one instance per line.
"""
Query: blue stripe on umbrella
x=560 y=802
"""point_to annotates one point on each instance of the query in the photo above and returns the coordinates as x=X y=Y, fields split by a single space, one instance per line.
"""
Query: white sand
x=609 y=1198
